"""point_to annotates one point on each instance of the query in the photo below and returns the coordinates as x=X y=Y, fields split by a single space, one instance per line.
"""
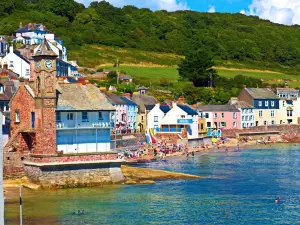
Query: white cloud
x=212 y=9
x=278 y=11
x=243 y=12
x=169 y=5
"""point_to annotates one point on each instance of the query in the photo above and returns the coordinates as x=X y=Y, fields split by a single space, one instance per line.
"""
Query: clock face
x=48 y=64
x=38 y=65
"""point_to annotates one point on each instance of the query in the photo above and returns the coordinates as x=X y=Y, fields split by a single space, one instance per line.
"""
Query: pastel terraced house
x=289 y=105
x=220 y=116
x=265 y=103
x=247 y=112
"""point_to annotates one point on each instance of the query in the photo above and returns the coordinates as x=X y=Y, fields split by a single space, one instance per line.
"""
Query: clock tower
x=44 y=78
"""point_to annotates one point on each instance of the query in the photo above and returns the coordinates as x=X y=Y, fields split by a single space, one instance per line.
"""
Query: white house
x=156 y=115
x=17 y=63
x=179 y=117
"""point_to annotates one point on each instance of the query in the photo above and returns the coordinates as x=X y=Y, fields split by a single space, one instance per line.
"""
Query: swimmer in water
x=226 y=151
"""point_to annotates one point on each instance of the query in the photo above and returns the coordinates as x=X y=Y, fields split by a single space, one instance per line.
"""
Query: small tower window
x=38 y=84
x=17 y=116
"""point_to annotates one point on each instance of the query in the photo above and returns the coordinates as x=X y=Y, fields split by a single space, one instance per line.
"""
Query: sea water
x=237 y=189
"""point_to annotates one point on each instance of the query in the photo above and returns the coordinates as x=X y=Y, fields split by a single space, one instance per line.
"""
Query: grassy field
x=95 y=56
x=149 y=75
x=148 y=67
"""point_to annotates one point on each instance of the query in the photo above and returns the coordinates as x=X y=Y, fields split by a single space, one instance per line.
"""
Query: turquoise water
x=238 y=189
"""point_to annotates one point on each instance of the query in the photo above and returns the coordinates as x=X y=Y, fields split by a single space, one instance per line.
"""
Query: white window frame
x=272 y=103
x=155 y=118
x=17 y=114
x=266 y=103
x=259 y=103
x=215 y=115
x=70 y=116
x=234 y=115
x=272 y=113
x=260 y=113
x=234 y=124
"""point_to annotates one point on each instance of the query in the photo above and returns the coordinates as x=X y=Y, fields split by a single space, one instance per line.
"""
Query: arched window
x=38 y=84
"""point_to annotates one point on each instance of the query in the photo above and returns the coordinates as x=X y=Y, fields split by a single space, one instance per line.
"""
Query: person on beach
x=193 y=154
x=226 y=151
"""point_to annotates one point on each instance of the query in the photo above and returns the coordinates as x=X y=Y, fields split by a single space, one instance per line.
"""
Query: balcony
x=84 y=125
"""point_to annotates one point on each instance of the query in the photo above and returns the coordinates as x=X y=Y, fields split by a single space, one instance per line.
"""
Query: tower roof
x=44 y=49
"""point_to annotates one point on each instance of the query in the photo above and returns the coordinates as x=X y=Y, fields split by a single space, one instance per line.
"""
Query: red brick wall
x=23 y=102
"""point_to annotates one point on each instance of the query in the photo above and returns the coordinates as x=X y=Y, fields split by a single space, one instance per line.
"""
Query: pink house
x=220 y=116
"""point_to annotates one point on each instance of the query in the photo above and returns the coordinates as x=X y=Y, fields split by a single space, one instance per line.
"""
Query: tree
x=198 y=68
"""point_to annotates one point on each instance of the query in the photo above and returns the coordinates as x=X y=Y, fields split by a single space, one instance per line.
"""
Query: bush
x=100 y=70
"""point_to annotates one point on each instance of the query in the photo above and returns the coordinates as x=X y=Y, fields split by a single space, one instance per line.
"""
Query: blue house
x=84 y=119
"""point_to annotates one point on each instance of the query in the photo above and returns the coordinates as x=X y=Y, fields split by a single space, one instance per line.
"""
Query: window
x=206 y=115
x=260 y=113
x=17 y=116
x=260 y=103
x=1 y=88
x=234 y=115
x=27 y=71
x=273 y=122
x=182 y=116
x=243 y=117
x=142 y=118
x=272 y=103
x=222 y=124
x=84 y=117
x=246 y=118
x=201 y=126
x=32 y=119
x=283 y=103
x=155 y=118
x=58 y=116
x=222 y=115
x=70 y=116
x=234 y=124
x=100 y=116
x=266 y=103
x=289 y=112
x=208 y=124
x=272 y=113
x=11 y=63
x=265 y=122
x=216 y=115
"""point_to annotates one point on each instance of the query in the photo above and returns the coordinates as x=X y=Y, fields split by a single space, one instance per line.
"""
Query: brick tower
x=44 y=78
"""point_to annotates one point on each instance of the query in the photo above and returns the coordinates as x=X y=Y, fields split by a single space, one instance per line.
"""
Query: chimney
x=233 y=100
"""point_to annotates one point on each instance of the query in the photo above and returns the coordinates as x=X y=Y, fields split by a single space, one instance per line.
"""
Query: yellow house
x=145 y=104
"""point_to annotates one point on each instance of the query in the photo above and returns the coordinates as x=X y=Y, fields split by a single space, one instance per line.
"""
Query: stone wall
x=283 y=129
x=72 y=176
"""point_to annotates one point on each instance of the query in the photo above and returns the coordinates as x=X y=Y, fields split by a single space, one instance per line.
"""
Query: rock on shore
x=135 y=175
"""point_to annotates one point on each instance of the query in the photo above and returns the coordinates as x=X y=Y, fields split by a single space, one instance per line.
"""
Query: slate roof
x=78 y=97
x=261 y=93
x=242 y=105
x=165 y=108
x=188 y=110
x=217 y=108
x=30 y=27
x=10 y=87
x=44 y=49
x=128 y=101
x=144 y=102
x=120 y=100
x=142 y=88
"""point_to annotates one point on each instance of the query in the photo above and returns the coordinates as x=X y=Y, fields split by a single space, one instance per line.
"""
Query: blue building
x=4 y=47
x=84 y=119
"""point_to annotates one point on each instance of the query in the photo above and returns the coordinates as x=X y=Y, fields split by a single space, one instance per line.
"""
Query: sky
x=279 y=11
